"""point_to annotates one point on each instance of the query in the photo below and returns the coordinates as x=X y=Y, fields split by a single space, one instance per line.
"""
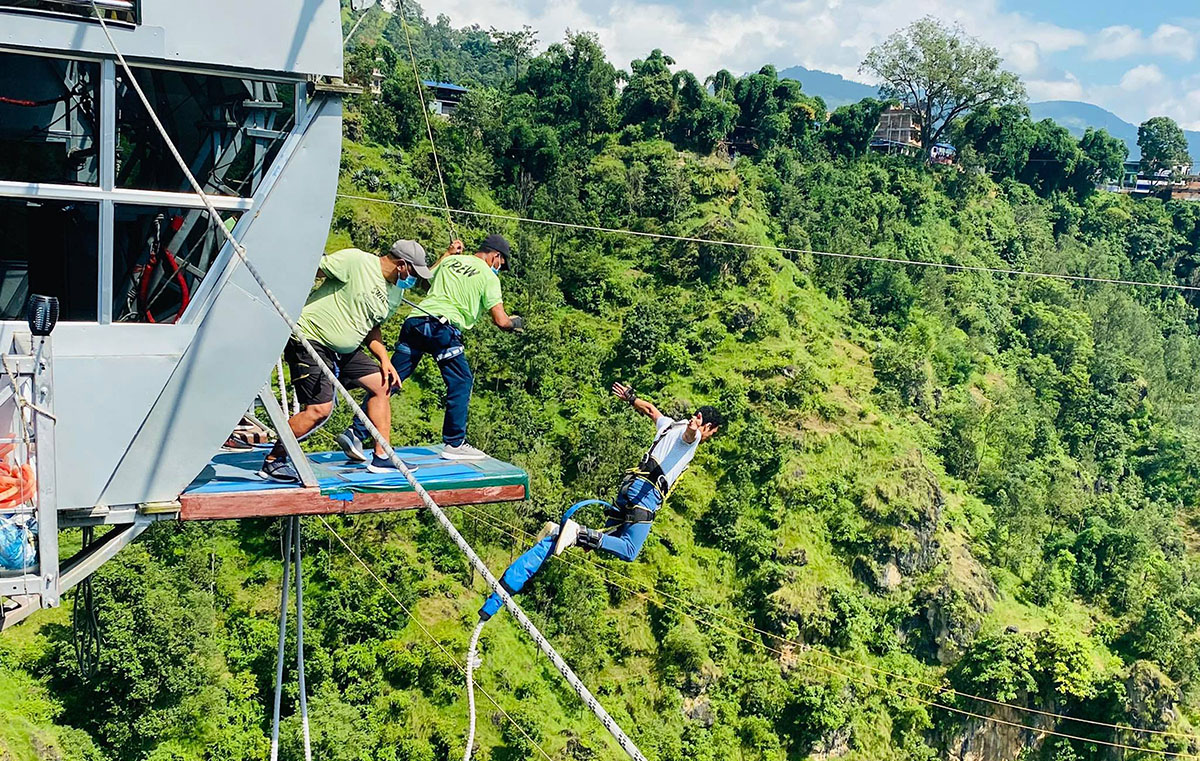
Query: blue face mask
x=496 y=270
x=407 y=282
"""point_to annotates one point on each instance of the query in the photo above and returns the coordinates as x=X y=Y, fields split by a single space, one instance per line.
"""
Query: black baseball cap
x=498 y=243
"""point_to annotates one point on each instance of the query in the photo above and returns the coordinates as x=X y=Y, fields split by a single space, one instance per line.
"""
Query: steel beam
x=56 y=192
x=279 y=419
x=85 y=562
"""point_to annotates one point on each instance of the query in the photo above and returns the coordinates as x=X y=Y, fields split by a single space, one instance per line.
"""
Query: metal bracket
x=279 y=421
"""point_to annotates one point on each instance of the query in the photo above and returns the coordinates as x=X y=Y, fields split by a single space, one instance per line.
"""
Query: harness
x=649 y=471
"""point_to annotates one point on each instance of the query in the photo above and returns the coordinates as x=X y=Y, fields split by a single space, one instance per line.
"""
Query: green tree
x=998 y=138
x=1164 y=148
x=941 y=74
x=1102 y=160
x=1053 y=157
x=850 y=128
x=648 y=99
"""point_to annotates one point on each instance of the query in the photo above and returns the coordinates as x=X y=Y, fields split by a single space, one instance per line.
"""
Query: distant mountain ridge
x=1076 y=116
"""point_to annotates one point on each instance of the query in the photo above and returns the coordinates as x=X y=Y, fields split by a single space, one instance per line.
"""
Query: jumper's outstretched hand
x=621 y=391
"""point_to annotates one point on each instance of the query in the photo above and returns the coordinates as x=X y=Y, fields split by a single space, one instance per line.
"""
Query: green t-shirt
x=354 y=298
x=464 y=287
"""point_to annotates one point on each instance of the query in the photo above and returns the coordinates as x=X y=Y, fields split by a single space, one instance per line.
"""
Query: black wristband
x=631 y=396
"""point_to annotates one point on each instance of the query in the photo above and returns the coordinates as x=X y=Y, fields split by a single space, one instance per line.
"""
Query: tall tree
x=648 y=99
x=941 y=73
x=1164 y=147
x=516 y=46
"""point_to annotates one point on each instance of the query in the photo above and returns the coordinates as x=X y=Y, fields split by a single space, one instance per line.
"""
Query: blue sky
x=1137 y=59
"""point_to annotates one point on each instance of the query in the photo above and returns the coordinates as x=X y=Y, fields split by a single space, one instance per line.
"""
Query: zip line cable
x=388 y=590
x=809 y=651
x=437 y=164
x=523 y=620
x=783 y=249
x=882 y=672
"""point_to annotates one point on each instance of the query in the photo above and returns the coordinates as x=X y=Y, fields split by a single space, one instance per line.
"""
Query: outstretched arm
x=506 y=321
x=626 y=393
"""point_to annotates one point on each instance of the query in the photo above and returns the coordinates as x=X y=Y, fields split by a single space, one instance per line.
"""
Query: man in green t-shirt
x=360 y=291
x=463 y=289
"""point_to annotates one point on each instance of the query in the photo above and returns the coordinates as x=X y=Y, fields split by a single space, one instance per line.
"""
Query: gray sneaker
x=463 y=451
x=279 y=470
x=351 y=445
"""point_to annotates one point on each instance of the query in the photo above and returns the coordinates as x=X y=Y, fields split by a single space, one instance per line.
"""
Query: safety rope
x=808 y=652
x=473 y=662
x=783 y=249
x=429 y=635
x=525 y=623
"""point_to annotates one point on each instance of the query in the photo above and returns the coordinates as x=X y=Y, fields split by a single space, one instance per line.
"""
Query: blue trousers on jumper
x=420 y=336
x=625 y=540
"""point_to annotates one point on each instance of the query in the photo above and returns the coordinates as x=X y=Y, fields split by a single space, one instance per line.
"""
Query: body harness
x=648 y=470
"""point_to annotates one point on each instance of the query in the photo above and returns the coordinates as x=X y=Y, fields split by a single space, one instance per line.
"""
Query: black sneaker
x=279 y=470
x=351 y=445
x=384 y=465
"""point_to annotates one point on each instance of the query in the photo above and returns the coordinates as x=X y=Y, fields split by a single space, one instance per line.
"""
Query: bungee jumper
x=463 y=288
x=360 y=291
x=641 y=493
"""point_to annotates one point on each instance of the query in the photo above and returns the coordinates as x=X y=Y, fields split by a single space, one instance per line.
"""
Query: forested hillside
x=930 y=479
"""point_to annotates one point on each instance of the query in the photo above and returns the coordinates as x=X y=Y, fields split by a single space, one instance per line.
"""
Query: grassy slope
x=845 y=435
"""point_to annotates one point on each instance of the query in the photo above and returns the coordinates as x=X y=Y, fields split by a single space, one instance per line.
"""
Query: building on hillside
x=942 y=153
x=1135 y=182
x=898 y=131
x=446 y=97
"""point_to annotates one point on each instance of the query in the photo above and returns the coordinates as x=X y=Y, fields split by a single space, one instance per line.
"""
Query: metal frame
x=258 y=126
x=291 y=445
x=35 y=368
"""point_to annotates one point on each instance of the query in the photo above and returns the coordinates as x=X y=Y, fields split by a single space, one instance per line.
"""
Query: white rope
x=283 y=394
x=577 y=685
x=298 y=537
x=473 y=662
x=283 y=607
x=783 y=249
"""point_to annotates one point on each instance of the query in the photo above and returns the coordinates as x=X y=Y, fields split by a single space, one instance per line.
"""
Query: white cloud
x=1116 y=42
x=1067 y=88
x=1140 y=77
x=1174 y=40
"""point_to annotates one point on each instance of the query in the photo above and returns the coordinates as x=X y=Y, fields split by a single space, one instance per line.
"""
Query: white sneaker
x=566 y=537
x=463 y=451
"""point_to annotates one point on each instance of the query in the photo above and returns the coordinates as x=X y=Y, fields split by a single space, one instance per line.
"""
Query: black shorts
x=312 y=387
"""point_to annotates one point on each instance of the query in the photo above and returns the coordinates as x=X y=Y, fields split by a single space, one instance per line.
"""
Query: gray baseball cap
x=410 y=251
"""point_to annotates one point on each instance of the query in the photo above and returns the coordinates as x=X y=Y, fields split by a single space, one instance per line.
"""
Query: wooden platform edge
x=300 y=501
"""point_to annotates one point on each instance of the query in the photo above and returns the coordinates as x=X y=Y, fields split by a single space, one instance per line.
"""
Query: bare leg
x=379 y=406
x=302 y=422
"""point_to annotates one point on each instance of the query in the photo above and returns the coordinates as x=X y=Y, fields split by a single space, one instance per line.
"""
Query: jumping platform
x=229 y=486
